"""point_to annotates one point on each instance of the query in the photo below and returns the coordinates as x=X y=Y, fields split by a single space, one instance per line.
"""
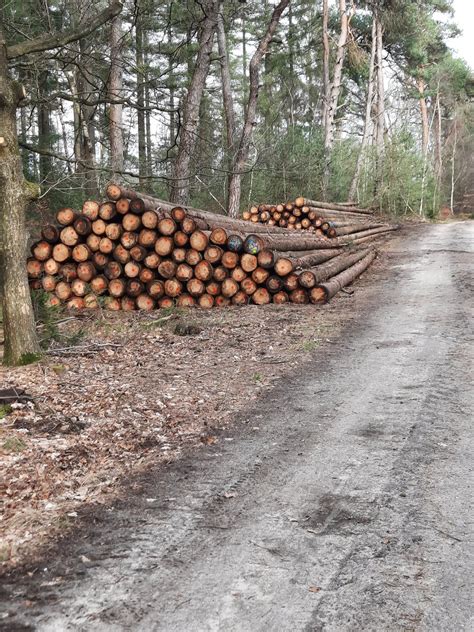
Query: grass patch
x=14 y=444
x=5 y=409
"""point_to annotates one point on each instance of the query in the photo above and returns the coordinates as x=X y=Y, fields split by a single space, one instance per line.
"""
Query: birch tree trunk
x=189 y=126
x=335 y=91
x=251 y=111
x=116 y=94
x=368 y=119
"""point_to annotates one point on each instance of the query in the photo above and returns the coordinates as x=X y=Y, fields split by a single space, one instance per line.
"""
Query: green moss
x=29 y=358
x=14 y=444
x=5 y=409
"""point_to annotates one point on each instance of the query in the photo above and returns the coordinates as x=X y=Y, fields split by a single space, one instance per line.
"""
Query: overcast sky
x=464 y=18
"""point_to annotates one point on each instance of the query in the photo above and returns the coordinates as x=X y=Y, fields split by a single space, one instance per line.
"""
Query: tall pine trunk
x=115 y=95
x=380 y=108
x=335 y=91
x=139 y=43
x=21 y=343
x=368 y=118
x=189 y=126
x=241 y=158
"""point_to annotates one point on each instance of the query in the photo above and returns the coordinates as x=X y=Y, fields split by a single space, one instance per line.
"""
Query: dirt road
x=342 y=503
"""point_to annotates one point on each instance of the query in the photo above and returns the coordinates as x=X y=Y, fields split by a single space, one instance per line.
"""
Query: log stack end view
x=134 y=251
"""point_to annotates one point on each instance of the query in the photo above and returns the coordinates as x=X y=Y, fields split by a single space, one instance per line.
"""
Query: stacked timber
x=321 y=218
x=134 y=251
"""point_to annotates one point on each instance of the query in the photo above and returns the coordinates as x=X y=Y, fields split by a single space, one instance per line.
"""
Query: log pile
x=137 y=252
x=321 y=218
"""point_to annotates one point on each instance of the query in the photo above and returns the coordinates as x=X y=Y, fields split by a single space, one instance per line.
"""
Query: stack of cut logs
x=321 y=218
x=138 y=252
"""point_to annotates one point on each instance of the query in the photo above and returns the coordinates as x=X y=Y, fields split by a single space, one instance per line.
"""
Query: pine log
x=235 y=243
x=220 y=273
x=274 y=284
x=99 y=284
x=248 y=286
x=127 y=304
x=61 y=253
x=218 y=237
x=50 y=234
x=253 y=244
x=260 y=275
x=193 y=257
x=323 y=292
x=186 y=300
x=112 y=304
x=131 y=222
x=50 y=266
x=311 y=277
x=150 y=219
x=178 y=214
x=180 y=238
x=195 y=287
x=213 y=288
x=132 y=269
x=121 y=254
x=63 y=290
x=106 y=246
x=90 y=301
x=35 y=268
x=113 y=231
x=68 y=272
x=261 y=296
x=42 y=250
x=280 y=298
x=137 y=206
x=122 y=206
x=308 y=259
x=167 y=269
x=355 y=237
x=80 y=253
x=100 y=260
x=155 y=289
x=167 y=226
x=146 y=275
x=299 y=296
x=357 y=228
x=79 y=287
x=86 y=271
x=82 y=226
x=231 y=259
x=152 y=260
x=229 y=287
x=301 y=201
x=184 y=272
x=145 y=302
x=291 y=282
x=206 y=301
x=98 y=227
x=221 y=301
x=91 y=210
x=165 y=302
x=199 y=241
x=138 y=253
x=203 y=271
x=283 y=266
x=48 y=283
x=113 y=270
x=93 y=241
x=240 y=298
x=179 y=255
x=248 y=262
x=238 y=274
x=66 y=216
x=266 y=259
x=107 y=211
x=134 y=288
x=173 y=288
x=213 y=254
x=76 y=302
x=164 y=246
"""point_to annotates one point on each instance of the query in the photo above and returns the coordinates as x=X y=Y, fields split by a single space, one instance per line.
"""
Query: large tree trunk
x=380 y=108
x=139 y=40
x=326 y=79
x=251 y=111
x=425 y=127
x=329 y=129
x=437 y=142
x=116 y=94
x=227 y=96
x=44 y=129
x=187 y=133
x=21 y=344
x=368 y=118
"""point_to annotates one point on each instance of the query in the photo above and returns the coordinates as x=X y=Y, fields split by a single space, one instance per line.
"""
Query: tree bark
x=335 y=91
x=21 y=344
x=187 y=133
x=368 y=117
x=116 y=94
x=251 y=111
x=326 y=79
x=325 y=291
x=139 y=40
x=380 y=107
x=420 y=84
x=228 y=99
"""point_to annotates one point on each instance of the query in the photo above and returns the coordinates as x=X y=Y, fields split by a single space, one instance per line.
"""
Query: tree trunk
x=190 y=122
x=251 y=111
x=44 y=129
x=420 y=84
x=335 y=91
x=115 y=94
x=325 y=291
x=368 y=118
x=438 y=142
x=139 y=40
x=326 y=79
x=227 y=96
x=21 y=344
x=380 y=108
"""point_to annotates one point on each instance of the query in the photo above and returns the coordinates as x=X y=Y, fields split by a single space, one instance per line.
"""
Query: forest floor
x=119 y=392
x=337 y=500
